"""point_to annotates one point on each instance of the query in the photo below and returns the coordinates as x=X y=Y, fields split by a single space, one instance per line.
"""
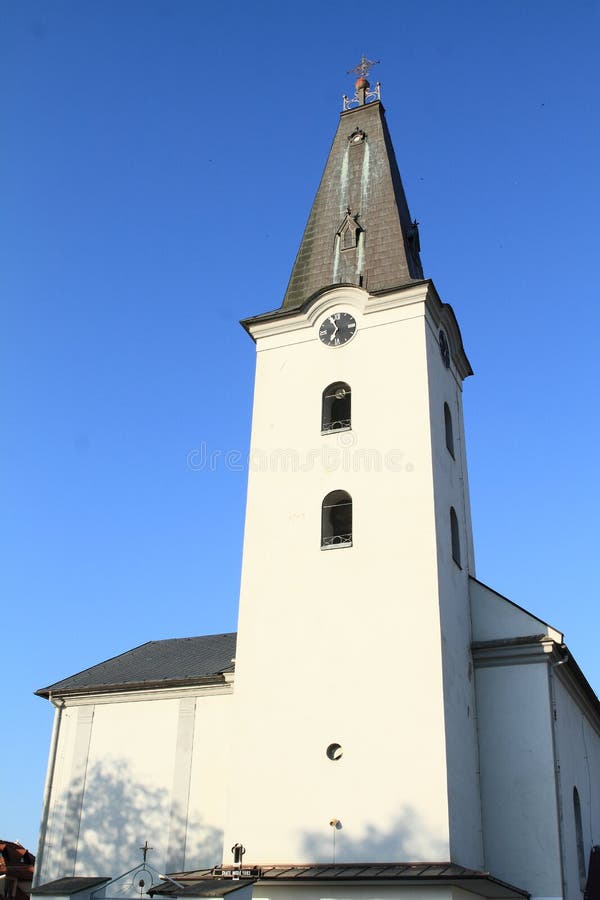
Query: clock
x=337 y=329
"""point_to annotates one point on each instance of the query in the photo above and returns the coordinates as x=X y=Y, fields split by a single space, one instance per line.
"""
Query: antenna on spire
x=362 y=93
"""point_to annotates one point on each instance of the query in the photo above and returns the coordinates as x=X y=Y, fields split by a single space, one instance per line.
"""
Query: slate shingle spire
x=359 y=230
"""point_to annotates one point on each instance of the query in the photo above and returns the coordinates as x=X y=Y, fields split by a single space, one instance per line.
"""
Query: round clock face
x=337 y=329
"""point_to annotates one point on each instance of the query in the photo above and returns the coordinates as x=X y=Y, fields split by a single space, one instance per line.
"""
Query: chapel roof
x=190 y=884
x=175 y=661
x=69 y=885
x=204 y=887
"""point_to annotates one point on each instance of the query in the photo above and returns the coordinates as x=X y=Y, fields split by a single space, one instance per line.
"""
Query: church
x=383 y=724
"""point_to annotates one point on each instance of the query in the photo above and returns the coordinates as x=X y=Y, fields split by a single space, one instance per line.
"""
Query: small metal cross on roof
x=364 y=67
x=145 y=849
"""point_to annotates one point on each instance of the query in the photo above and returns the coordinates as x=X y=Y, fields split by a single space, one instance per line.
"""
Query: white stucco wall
x=578 y=758
x=209 y=783
x=518 y=787
x=94 y=893
x=127 y=785
x=451 y=490
x=539 y=726
x=495 y=617
x=49 y=856
x=342 y=645
x=270 y=891
x=130 y=768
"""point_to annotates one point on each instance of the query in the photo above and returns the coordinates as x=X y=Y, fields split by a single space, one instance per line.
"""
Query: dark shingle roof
x=157 y=663
x=361 y=176
x=206 y=887
x=420 y=873
x=67 y=886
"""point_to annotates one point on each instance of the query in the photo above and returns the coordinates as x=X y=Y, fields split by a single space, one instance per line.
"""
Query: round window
x=334 y=751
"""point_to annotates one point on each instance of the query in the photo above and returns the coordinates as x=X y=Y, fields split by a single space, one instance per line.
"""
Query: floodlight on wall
x=335 y=826
x=238 y=851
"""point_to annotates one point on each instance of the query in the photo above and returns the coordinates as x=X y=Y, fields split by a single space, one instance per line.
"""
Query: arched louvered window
x=335 y=411
x=579 y=838
x=455 y=536
x=449 y=430
x=336 y=520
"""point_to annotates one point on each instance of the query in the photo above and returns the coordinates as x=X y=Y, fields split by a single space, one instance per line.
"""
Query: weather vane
x=364 y=67
x=363 y=93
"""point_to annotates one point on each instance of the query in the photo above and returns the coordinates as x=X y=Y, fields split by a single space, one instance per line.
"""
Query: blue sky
x=158 y=164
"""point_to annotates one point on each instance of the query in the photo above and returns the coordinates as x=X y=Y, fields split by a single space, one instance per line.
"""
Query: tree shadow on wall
x=108 y=820
x=406 y=839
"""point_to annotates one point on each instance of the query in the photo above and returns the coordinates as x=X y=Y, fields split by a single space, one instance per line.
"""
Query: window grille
x=335 y=410
x=336 y=520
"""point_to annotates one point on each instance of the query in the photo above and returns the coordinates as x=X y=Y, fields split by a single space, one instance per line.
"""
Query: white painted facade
x=349 y=639
x=132 y=767
x=539 y=737
x=359 y=892
x=447 y=754
x=464 y=725
x=97 y=892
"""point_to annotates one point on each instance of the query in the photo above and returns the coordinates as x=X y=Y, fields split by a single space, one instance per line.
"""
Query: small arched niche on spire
x=357 y=137
x=349 y=232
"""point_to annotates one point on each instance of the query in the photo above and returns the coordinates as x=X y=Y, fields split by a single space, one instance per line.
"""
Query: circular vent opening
x=334 y=751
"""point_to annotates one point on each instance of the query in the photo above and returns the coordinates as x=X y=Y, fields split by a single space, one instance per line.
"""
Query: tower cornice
x=304 y=320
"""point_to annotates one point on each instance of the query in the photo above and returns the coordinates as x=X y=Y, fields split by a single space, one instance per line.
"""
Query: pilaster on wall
x=74 y=801
x=182 y=775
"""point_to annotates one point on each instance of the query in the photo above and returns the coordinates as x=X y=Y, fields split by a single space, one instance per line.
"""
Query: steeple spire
x=359 y=230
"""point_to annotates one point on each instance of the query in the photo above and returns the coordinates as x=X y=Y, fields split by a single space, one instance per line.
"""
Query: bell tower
x=354 y=734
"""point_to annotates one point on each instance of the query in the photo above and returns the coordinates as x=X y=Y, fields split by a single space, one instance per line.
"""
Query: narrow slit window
x=449 y=430
x=335 y=415
x=579 y=838
x=455 y=537
x=336 y=520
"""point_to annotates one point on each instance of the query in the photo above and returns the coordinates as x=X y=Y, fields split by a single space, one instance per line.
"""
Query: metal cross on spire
x=364 y=67
x=145 y=849
x=363 y=92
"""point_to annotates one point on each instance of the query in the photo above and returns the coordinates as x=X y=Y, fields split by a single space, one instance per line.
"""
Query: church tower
x=389 y=723
x=354 y=719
